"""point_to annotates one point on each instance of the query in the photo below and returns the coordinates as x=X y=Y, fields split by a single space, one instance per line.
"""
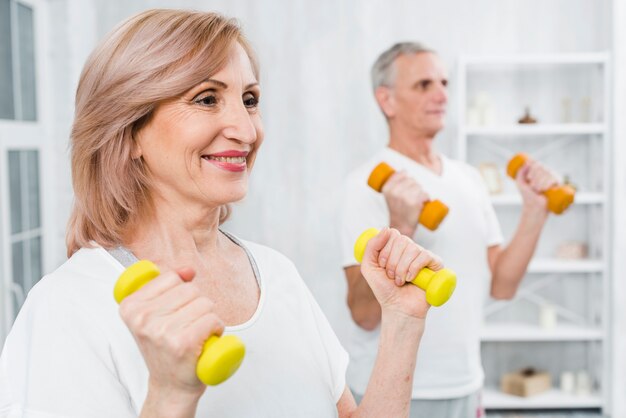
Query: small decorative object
x=481 y=111
x=547 y=316
x=568 y=182
x=491 y=177
x=567 y=382
x=585 y=110
x=566 y=110
x=527 y=119
x=525 y=382
x=583 y=383
x=572 y=250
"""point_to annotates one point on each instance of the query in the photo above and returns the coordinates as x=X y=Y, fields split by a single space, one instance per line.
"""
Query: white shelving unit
x=569 y=96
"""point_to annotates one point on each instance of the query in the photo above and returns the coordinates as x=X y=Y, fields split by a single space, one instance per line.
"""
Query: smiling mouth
x=229 y=160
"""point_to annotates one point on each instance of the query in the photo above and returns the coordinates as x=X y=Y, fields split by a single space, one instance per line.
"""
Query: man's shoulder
x=361 y=172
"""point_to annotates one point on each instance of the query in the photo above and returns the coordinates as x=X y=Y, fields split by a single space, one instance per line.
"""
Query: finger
x=188 y=314
x=186 y=273
x=402 y=271
x=397 y=245
x=383 y=255
x=393 y=181
x=154 y=288
x=375 y=246
x=188 y=341
x=175 y=298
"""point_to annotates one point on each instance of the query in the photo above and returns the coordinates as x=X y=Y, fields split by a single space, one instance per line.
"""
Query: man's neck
x=419 y=148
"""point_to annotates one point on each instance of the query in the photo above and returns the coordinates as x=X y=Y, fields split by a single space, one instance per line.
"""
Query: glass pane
x=15 y=192
x=26 y=51
x=34 y=262
x=17 y=252
x=18 y=273
x=6 y=62
x=32 y=171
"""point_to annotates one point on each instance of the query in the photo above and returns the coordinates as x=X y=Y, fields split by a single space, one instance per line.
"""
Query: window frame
x=20 y=135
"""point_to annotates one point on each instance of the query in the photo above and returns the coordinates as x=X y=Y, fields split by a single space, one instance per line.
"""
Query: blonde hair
x=152 y=57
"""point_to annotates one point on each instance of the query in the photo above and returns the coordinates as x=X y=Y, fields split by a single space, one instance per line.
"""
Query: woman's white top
x=70 y=355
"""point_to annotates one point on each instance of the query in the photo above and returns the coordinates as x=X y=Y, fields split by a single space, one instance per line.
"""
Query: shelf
x=582 y=198
x=548 y=265
x=552 y=399
x=536 y=59
x=537 y=129
x=523 y=332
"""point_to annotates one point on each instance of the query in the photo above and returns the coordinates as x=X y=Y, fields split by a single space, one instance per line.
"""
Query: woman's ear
x=135 y=152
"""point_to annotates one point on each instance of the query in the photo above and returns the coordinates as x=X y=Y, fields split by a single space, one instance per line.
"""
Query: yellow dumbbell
x=438 y=285
x=220 y=357
x=559 y=197
x=433 y=212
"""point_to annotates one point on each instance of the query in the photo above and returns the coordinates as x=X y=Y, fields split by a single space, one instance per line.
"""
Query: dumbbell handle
x=220 y=357
x=438 y=285
x=559 y=197
x=433 y=212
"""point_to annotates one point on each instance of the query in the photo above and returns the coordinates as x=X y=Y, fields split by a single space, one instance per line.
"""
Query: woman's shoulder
x=81 y=283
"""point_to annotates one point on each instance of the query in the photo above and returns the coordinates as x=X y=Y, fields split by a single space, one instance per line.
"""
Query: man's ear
x=384 y=98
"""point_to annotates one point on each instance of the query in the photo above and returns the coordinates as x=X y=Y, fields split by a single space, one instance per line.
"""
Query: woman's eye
x=206 y=100
x=250 y=100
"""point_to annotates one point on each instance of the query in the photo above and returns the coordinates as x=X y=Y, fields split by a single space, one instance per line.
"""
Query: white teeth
x=232 y=160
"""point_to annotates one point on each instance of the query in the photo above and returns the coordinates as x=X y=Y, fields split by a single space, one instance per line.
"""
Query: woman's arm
x=389 y=256
x=170 y=320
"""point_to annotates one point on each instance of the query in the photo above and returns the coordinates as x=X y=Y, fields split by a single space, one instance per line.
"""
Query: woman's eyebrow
x=225 y=86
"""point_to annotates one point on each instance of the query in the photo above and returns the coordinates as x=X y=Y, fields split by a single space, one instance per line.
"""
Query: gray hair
x=383 y=73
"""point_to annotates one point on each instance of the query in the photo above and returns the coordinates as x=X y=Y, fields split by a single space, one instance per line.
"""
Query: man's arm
x=405 y=199
x=508 y=265
x=364 y=307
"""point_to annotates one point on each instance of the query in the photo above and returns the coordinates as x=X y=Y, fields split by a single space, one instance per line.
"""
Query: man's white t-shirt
x=448 y=363
x=69 y=355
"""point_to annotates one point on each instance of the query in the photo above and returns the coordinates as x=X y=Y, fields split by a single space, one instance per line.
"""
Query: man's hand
x=532 y=180
x=405 y=200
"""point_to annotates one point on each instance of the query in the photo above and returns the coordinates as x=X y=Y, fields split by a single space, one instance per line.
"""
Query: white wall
x=319 y=114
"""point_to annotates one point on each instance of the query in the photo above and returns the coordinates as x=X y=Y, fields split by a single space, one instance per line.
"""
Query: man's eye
x=249 y=100
x=424 y=84
x=206 y=100
x=444 y=82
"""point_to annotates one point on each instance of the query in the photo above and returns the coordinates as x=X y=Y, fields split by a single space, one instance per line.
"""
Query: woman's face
x=199 y=148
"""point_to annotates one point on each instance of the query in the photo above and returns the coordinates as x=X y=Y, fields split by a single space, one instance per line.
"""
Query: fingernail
x=391 y=274
x=399 y=281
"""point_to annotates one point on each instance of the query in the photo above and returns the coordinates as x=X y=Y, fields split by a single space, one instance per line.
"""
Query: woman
x=166 y=131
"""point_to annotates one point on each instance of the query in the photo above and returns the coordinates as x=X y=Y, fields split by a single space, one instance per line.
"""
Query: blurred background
x=562 y=61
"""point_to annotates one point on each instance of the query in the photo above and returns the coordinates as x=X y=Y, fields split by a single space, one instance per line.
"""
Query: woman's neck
x=174 y=235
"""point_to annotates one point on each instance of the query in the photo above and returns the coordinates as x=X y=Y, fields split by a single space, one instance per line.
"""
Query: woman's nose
x=239 y=125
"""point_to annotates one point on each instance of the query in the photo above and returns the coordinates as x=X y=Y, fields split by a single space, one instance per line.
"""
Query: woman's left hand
x=390 y=261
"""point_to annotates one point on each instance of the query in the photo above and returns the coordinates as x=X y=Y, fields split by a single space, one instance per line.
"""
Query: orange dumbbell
x=433 y=212
x=559 y=197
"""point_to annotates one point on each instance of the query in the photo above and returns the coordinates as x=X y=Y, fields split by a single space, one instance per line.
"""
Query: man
x=410 y=86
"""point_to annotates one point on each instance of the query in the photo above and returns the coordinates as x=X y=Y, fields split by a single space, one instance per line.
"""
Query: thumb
x=522 y=177
x=375 y=246
x=186 y=273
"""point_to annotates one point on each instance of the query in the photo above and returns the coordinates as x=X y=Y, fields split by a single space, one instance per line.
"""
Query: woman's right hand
x=170 y=320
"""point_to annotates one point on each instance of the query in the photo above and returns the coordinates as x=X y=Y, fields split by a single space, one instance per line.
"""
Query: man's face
x=419 y=93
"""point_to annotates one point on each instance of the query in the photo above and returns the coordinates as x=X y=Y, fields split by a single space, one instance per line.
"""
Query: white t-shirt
x=70 y=355
x=448 y=363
